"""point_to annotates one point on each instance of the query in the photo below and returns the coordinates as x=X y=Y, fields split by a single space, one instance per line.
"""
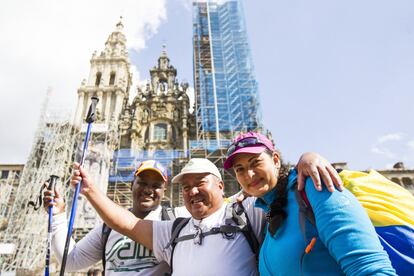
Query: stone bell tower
x=109 y=80
x=159 y=115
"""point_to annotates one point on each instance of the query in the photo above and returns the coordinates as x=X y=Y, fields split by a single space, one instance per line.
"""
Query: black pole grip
x=52 y=182
x=91 y=117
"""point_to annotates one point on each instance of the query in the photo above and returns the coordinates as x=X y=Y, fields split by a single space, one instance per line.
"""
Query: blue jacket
x=346 y=240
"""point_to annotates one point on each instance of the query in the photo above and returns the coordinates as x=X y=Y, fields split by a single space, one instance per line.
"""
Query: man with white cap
x=205 y=252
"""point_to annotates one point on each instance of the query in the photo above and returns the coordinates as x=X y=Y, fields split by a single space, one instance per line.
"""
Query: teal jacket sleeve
x=347 y=232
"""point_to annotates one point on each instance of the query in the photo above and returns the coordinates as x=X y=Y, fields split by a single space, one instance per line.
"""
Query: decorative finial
x=164 y=50
x=119 y=25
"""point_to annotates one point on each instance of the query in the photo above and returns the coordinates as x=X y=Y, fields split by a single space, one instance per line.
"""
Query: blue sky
x=336 y=77
x=343 y=79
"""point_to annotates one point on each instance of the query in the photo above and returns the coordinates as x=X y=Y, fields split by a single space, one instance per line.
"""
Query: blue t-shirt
x=346 y=240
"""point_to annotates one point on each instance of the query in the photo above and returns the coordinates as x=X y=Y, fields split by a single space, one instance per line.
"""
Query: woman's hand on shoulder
x=313 y=165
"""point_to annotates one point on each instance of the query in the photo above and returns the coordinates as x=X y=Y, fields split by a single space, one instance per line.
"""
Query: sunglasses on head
x=246 y=142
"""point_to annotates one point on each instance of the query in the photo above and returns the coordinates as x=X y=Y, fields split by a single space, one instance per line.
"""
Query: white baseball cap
x=197 y=165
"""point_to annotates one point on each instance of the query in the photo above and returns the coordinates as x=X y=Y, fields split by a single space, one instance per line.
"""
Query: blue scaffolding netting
x=125 y=161
x=225 y=84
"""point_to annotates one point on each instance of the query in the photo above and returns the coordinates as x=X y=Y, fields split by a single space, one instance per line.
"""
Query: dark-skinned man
x=122 y=255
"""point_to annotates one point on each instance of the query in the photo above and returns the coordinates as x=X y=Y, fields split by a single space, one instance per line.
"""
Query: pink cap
x=250 y=142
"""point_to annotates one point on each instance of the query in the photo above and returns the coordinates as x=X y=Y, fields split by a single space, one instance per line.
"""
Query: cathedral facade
x=156 y=123
x=159 y=116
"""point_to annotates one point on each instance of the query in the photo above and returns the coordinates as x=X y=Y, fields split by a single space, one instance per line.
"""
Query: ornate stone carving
x=161 y=101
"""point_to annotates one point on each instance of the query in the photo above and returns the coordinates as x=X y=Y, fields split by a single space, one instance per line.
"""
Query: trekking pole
x=51 y=187
x=90 y=118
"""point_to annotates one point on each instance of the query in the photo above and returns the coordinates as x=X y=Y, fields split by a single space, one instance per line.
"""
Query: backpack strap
x=235 y=213
x=305 y=214
x=178 y=225
x=228 y=230
x=167 y=213
x=305 y=208
x=106 y=231
x=240 y=218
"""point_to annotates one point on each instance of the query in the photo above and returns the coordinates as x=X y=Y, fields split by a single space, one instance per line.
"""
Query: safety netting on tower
x=125 y=162
x=226 y=90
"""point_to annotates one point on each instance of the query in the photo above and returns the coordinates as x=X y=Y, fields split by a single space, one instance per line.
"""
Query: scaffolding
x=226 y=90
x=51 y=153
x=125 y=161
x=8 y=188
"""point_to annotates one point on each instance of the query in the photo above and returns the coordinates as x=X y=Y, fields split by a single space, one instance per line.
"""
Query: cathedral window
x=396 y=180
x=98 y=78
x=160 y=132
x=4 y=174
x=407 y=181
x=146 y=135
x=112 y=78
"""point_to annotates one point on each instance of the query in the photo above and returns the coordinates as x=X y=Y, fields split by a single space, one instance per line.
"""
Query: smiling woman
x=344 y=236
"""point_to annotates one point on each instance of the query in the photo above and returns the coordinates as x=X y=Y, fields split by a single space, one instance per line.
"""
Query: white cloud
x=187 y=4
x=391 y=137
x=382 y=146
x=383 y=151
x=49 y=43
x=394 y=147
